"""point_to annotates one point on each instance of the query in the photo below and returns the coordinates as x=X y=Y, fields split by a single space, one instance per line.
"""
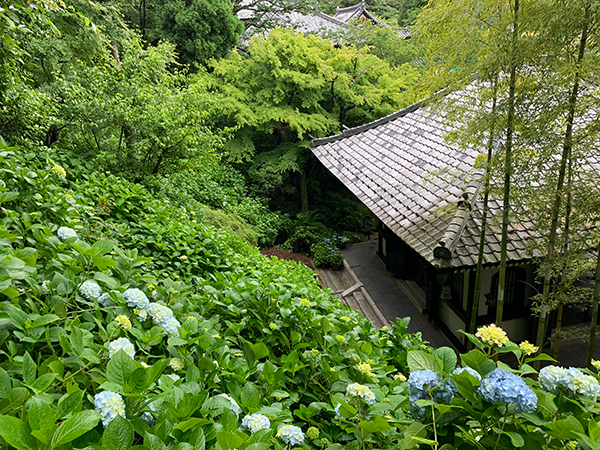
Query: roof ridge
x=457 y=225
x=359 y=129
x=330 y=18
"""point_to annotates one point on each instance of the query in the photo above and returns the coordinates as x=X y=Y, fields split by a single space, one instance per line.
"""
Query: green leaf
x=587 y=443
x=17 y=433
x=29 y=369
x=102 y=247
x=250 y=396
x=68 y=403
x=103 y=262
x=564 y=428
x=420 y=360
x=448 y=357
x=119 y=368
x=192 y=423
x=5 y=384
x=138 y=381
x=478 y=361
x=377 y=424
x=229 y=420
x=76 y=426
x=229 y=441
x=40 y=415
x=412 y=433
x=516 y=439
x=44 y=320
x=153 y=442
x=118 y=434
x=42 y=383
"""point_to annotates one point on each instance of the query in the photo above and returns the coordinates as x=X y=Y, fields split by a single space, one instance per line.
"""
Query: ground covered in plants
x=127 y=322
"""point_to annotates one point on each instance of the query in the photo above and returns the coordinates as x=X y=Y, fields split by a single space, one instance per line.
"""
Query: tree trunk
x=510 y=125
x=486 y=195
x=563 y=277
x=567 y=146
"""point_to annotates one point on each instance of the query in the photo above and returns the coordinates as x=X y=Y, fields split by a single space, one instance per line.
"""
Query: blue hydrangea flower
x=234 y=406
x=423 y=382
x=90 y=290
x=291 y=434
x=337 y=410
x=357 y=391
x=136 y=298
x=65 y=233
x=109 y=404
x=502 y=386
x=121 y=344
x=255 y=422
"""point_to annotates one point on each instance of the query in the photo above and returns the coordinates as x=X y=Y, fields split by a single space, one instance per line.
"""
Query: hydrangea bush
x=492 y=403
x=148 y=329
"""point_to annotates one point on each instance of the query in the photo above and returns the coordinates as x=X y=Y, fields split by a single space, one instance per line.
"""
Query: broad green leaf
x=118 y=434
x=564 y=428
x=478 y=361
x=40 y=415
x=42 y=383
x=17 y=433
x=516 y=439
x=448 y=357
x=119 y=368
x=420 y=360
x=229 y=441
x=103 y=246
x=69 y=403
x=72 y=428
x=586 y=442
x=260 y=436
x=378 y=423
x=44 y=320
x=250 y=396
x=5 y=384
x=192 y=423
x=413 y=432
x=103 y=262
x=153 y=442
x=229 y=420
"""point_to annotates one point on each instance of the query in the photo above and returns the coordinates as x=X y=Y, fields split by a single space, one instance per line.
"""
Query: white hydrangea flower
x=65 y=233
x=135 y=298
x=90 y=290
x=121 y=344
x=109 y=404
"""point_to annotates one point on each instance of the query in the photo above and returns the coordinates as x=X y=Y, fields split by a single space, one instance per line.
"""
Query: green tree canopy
x=200 y=29
x=293 y=87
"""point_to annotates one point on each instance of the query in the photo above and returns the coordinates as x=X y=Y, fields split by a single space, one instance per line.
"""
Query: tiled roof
x=349 y=13
x=318 y=23
x=424 y=189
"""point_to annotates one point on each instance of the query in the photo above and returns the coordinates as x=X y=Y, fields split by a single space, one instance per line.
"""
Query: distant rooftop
x=320 y=23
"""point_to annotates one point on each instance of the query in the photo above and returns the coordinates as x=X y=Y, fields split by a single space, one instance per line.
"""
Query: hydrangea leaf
x=478 y=361
x=118 y=434
x=448 y=358
x=16 y=433
x=564 y=428
x=229 y=441
x=419 y=360
x=119 y=368
x=372 y=426
x=250 y=396
x=76 y=426
x=69 y=403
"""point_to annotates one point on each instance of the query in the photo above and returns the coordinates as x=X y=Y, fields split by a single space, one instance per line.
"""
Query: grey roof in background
x=319 y=23
x=402 y=169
